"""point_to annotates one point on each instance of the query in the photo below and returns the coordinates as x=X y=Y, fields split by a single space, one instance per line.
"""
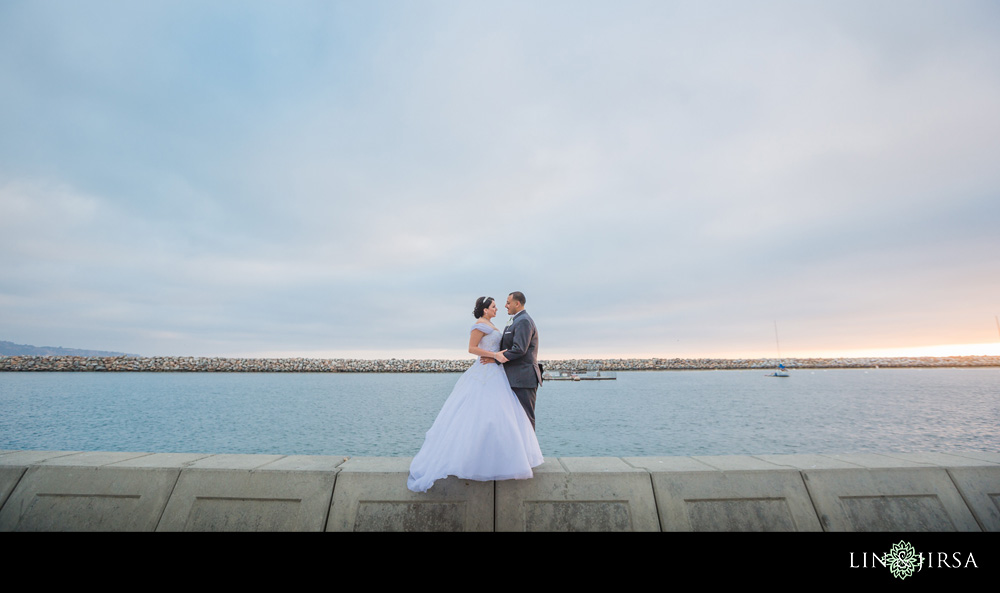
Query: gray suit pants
x=526 y=396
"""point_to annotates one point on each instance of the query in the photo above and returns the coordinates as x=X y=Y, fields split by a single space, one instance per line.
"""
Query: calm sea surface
x=642 y=413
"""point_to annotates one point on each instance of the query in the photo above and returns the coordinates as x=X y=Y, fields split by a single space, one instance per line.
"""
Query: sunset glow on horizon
x=940 y=351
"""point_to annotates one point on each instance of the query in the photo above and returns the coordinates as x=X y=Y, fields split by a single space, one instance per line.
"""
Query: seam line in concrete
x=14 y=488
x=76 y=495
x=972 y=511
x=65 y=454
x=329 y=503
x=812 y=499
x=261 y=467
x=854 y=465
x=247 y=498
x=167 y=502
x=652 y=490
x=983 y=461
x=112 y=463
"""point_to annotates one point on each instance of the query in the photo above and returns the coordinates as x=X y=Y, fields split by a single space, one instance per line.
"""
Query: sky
x=344 y=179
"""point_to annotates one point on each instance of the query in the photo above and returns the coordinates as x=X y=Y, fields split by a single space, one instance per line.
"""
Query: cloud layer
x=661 y=179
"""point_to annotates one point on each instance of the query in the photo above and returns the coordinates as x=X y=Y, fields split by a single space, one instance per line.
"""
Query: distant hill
x=12 y=349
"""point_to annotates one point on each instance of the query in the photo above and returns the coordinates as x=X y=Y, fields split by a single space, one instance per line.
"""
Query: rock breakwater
x=393 y=365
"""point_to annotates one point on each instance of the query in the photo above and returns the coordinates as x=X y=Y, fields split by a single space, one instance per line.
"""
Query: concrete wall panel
x=734 y=501
x=371 y=495
x=980 y=487
x=244 y=500
x=578 y=494
x=892 y=499
x=73 y=498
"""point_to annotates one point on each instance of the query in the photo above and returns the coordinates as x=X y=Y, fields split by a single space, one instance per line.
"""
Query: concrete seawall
x=114 y=491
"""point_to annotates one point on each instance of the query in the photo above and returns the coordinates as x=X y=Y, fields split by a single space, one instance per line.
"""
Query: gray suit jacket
x=520 y=340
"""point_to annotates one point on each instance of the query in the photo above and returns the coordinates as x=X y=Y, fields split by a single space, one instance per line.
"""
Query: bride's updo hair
x=482 y=304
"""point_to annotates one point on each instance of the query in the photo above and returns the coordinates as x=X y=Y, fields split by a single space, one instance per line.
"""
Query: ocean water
x=641 y=413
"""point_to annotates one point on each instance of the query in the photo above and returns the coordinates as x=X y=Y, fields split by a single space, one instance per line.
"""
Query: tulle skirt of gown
x=481 y=433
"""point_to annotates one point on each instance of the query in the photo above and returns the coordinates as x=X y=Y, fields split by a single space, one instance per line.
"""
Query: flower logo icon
x=902 y=560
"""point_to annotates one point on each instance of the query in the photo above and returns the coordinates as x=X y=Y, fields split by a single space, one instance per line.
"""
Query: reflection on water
x=651 y=413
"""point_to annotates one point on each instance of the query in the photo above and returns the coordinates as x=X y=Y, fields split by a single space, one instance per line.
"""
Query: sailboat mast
x=779 y=370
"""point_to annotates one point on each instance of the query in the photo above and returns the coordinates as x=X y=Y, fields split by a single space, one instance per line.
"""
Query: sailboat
x=781 y=371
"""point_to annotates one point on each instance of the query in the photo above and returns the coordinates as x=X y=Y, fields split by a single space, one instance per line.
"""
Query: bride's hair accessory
x=482 y=304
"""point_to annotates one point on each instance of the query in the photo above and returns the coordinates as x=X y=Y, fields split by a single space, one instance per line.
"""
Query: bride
x=482 y=432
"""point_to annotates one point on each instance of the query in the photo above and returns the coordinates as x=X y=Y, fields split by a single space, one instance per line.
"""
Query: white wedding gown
x=481 y=433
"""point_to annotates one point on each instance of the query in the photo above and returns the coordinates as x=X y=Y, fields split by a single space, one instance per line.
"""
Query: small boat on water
x=593 y=373
x=781 y=371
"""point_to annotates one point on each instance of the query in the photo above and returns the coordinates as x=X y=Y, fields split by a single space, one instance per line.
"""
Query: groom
x=519 y=352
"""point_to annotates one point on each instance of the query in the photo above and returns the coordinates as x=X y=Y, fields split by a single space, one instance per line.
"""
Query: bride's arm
x=474 y=348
